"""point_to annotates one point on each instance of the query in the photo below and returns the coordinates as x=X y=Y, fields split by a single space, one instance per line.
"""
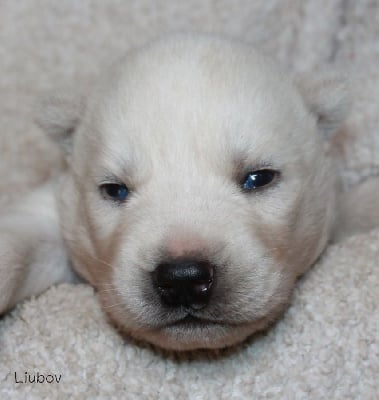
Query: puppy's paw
x=13 y=263
x=29 y=265
x=32 y=252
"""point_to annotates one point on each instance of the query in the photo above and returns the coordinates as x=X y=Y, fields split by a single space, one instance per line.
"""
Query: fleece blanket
x=326 y=345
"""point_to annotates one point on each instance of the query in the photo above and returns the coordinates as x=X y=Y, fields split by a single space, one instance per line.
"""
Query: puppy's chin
x=191 y=334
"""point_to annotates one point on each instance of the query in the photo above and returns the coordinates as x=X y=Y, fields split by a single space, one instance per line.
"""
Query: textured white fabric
x=326 y=346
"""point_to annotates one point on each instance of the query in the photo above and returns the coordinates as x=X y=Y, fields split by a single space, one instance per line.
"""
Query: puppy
x=198 y=189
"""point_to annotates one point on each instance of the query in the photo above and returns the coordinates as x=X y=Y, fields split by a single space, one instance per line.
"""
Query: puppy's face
x=200 y=191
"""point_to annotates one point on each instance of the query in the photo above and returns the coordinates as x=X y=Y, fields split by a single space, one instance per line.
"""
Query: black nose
x=184 y=283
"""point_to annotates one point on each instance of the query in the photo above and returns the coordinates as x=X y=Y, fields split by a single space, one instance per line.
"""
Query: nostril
x=184 y=282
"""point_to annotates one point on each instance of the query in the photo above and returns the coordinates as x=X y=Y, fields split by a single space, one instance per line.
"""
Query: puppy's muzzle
x=185 y=283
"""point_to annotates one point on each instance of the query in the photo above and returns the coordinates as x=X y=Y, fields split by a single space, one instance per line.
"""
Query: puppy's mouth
x=192 y=332
x=191 y=321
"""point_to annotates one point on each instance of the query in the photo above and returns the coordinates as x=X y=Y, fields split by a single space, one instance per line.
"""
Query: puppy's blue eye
x=114 y=191
x=257 y=179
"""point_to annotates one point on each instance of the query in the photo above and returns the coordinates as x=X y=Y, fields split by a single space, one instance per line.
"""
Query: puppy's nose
x=184 y=283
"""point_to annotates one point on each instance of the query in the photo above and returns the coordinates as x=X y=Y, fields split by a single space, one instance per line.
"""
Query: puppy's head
x=199 y=190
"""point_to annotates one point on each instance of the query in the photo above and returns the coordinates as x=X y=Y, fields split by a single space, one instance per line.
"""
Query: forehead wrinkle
x=182 y=145
x=122 y=159
x=190 y=121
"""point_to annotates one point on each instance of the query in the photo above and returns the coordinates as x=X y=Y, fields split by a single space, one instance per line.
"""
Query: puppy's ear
x=59 y=115
x=327 y=98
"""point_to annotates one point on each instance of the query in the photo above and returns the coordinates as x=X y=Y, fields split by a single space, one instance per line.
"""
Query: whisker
x=108 y=290
x=94 y=257
x=102 y=261
x=113 y=305
x=105 y=284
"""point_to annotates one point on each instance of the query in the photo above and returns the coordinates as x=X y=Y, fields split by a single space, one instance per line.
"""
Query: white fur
x=32 y=252
x=180 y=122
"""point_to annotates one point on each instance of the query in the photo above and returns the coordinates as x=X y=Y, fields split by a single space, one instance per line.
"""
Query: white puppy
x=198 y=190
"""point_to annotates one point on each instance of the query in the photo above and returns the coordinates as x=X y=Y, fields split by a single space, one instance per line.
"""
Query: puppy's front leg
x=32 y=252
